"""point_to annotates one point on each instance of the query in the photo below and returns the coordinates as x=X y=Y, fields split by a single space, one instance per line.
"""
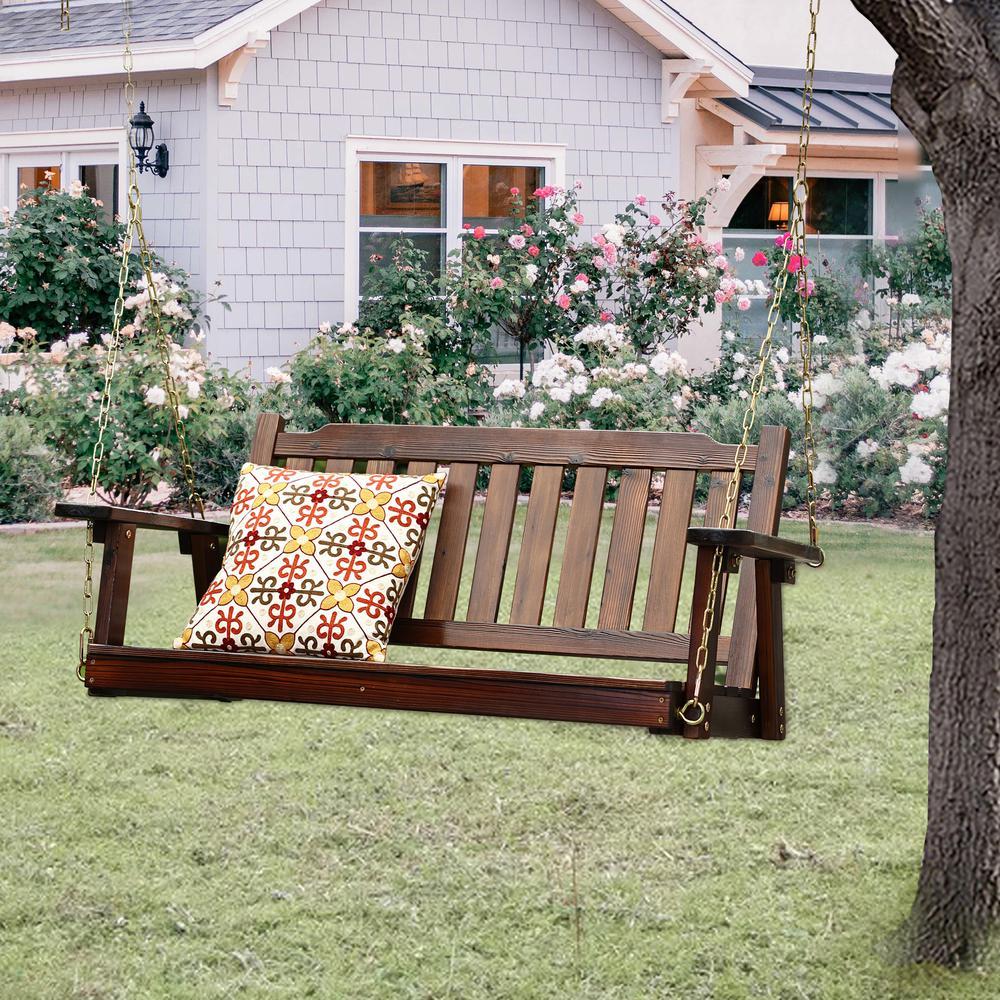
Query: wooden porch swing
x=750 y=701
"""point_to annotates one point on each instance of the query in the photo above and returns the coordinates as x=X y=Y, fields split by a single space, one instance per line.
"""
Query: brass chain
x=133 y=229
x=797 y=230
x=64 y=16
x=801 y=193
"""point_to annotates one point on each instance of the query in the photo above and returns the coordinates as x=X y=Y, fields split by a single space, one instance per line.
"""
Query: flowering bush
x=27 y=470
x=60 y=392
x=605 y=384
x=881 y=428
x=355 y=375
x=540 y=281
x=59 y=263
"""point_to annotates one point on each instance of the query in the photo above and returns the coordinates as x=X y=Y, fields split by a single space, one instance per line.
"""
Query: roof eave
x=176 y=54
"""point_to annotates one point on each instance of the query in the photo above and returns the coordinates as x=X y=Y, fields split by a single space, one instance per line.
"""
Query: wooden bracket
x=678 y=75
x=233 y=65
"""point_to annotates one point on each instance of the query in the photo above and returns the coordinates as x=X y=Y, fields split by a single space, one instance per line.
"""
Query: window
x=427 y=190
x=56 y=160
x=906 y=198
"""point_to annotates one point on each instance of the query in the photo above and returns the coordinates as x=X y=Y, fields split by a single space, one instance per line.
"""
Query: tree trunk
x=946 y=90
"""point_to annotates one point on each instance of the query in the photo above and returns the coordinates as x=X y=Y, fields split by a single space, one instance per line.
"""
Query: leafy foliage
x=363 y=376
x=27 y=470
x=59 y=264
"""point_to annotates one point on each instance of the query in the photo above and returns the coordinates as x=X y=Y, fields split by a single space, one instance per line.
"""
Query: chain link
x=797 y=231
x=64 y=16
x=133 y=232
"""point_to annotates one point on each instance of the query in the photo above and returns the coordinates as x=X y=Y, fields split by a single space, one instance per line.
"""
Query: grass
x=182 y=850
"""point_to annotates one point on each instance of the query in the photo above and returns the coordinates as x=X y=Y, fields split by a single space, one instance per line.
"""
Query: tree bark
x=946 y=88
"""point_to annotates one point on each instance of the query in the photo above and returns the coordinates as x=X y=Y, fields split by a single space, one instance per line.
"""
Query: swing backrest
x=508 y=593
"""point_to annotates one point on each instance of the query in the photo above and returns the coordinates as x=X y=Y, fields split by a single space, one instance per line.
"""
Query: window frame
x=454 y=154
x=68 y=149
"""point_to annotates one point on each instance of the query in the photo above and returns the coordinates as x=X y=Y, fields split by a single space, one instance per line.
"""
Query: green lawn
x=193 y=851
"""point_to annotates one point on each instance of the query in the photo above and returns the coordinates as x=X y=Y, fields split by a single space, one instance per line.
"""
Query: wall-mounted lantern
x=141 y=138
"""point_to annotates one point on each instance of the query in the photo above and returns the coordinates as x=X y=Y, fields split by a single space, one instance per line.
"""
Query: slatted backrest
x=509 y=591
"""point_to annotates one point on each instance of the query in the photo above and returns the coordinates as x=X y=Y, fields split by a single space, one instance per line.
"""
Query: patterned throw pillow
x=316 y=563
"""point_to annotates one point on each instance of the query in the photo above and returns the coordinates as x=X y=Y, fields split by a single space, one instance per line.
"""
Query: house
x=302 y=135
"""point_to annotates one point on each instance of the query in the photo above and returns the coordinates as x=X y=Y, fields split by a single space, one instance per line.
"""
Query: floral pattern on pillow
x=316 y=563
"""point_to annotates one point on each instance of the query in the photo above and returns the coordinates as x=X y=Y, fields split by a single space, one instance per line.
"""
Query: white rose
x=156 y=395
x=537 y=409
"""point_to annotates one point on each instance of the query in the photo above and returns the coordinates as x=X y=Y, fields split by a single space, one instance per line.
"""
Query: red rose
x=533 y=251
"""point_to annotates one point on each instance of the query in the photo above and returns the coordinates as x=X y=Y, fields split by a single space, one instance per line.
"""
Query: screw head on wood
x=706 y=727
x=781 y=729
x=659 y=718
x=781 y=710
x=361 y=688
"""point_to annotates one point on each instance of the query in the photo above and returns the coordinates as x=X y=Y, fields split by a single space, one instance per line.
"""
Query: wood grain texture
x=536 y=546
x=715 y=506
x=506 y=446
x=405 y=609
x=106 y=513
x=263 y=451
x=301 y=464
x=624 y=549
x=549 y=640
x=207 y=554
x=764 y=516
x=577 y=570
x=770 y=650
x=700 y=601
x=118 y=670
x=669 y=551
x=381 y=466
x=116 y=577
x=453 y=533
x=494 y=544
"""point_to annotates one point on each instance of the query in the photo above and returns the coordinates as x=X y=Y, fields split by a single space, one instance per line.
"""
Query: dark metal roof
x=34 y=27
x=842 y=102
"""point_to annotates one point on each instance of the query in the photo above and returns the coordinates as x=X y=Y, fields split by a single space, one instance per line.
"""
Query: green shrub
x=60 y=262
x=365 y=376
x=28 y=472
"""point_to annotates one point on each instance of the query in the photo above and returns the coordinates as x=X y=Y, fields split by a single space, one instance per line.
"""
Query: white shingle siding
x=263 y=182
x=172 y=206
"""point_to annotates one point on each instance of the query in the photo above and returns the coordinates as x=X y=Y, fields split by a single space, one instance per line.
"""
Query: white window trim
x=360 y=148
x=17 y=149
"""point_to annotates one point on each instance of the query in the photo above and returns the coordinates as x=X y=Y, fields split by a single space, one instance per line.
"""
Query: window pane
x=766 y=206
x=839 y=205
x=32 y=178
x=379 y=245
x=403 y=195
x=101 y=181
x=905 y=199
x=486 y=197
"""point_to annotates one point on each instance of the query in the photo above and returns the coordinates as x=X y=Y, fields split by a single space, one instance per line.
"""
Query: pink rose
x=515 y=192
x=654 y=220
x=720 y=297
x=783 y=240
x=600 y=239
x=743 y=303
x=759 y=259
x=467 y=225
x=610 y=252
x=496 y=282
x=578 y=218
x=583 y=278
x=806 y=287
x=533 y=251
x=606 y=317
x=527 y=230
x=796 y=263
x=479 y=232
x=517 y=241
x=640 y=199
x=599 y=262
x=563 y=301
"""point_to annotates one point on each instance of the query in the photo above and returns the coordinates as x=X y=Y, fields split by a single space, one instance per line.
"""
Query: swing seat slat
x=520 y=590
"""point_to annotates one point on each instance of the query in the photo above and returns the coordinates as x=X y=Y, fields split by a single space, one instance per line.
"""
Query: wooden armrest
x=108 y=514
x=754 y=544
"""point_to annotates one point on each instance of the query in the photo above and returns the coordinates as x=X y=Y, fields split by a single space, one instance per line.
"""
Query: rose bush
x=60 y=391
x=361 y=375
x=540 y=281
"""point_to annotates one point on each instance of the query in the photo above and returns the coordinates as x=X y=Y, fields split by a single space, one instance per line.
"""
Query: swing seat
x=750 y=701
